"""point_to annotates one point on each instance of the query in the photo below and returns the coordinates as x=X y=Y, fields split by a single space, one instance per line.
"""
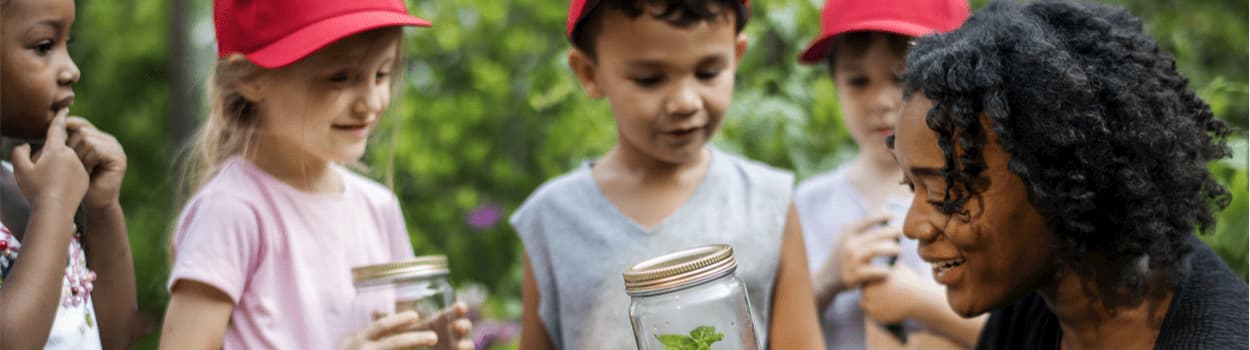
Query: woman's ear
x=584 y=67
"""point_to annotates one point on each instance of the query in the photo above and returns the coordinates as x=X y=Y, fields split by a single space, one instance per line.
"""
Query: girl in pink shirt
x=264 y=249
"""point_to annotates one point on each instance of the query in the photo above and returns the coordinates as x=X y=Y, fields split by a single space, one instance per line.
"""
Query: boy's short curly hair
x=680 y=13
x=1108 y=137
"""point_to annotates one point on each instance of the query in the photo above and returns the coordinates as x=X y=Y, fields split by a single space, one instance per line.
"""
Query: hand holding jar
x=415 y=287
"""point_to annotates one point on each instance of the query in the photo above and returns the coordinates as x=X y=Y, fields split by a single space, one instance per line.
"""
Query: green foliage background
x=489 y=111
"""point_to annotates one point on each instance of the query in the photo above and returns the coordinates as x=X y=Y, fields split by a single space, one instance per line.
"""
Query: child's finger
x=56 y=131
x=85 y=147
x=465 y=344
x=390 y=323
x=90 y=159
x=878 y=249
x=76 y=138
x=886 y=233
x=455 y=311
x=407 y=340
x=76 y=123
x=462 y=327
x=21 y=159
x=458 y=310
x=873 y=273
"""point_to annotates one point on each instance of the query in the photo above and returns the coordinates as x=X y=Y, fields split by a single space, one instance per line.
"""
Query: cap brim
x=816 y=52
x=315 y=36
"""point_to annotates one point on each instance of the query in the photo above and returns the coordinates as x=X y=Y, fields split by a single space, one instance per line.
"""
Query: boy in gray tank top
x=667 y=69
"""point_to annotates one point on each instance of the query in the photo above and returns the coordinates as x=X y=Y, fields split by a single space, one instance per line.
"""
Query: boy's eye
x=857 y=81
x=647 y=81
x=707 y=75
x=383 y=75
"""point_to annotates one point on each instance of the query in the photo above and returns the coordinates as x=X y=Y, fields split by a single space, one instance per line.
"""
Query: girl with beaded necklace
x=57 y=296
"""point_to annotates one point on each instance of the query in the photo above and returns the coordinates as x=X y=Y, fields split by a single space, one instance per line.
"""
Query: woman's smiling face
x=988 y=253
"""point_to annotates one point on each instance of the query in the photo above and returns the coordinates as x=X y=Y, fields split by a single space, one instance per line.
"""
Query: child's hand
x=901 y=295
x=54 y=175
x=451 y=325
x=858 y=244
x=103 y=158
x=390 y=332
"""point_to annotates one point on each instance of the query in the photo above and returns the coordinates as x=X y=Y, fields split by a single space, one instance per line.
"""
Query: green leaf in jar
x=700 y=338
x=677 y=342
x=706 y=335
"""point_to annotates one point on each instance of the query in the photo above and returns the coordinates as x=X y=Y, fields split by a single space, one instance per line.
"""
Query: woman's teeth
x=940 y=267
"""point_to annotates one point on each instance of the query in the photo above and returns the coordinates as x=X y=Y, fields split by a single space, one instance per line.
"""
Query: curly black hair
x=1108 y=137
x=680 y=13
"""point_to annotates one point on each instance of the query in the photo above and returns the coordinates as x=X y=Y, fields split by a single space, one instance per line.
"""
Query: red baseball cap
x=275 y=33
x=577 y=8
x=907 y=17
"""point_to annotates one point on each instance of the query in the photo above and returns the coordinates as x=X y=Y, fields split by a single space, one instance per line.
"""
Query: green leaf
x=677 y=342
x=706 y=335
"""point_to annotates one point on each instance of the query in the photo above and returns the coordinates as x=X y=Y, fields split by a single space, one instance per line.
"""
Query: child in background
x=88 y=303
x=850 y=215
x=265 y=247
x=667 y=69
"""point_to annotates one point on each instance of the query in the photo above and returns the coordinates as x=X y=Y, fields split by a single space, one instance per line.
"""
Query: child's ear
x=251 y=87
x=584 y=67
x=740 y=47
x=249 y=79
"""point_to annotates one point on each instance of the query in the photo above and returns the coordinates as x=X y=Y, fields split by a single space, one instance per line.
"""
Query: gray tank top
x=579 y=244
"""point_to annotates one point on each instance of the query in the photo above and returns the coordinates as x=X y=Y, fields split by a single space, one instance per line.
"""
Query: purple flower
x=492 y=333
x=484 y=216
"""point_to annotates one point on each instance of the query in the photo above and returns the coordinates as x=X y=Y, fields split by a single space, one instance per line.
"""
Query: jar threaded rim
x=679 y=269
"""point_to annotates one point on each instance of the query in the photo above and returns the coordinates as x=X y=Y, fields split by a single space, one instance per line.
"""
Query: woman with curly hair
x=1059 y=165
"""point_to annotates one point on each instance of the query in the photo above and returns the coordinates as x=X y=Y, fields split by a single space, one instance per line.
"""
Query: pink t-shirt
x=285 y=256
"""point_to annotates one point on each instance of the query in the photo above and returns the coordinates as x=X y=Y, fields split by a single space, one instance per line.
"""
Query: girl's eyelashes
x=44 y=46
x=339 y=77
x=346 y=76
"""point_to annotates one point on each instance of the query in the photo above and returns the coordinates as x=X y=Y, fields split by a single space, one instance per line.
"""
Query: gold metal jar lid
x=420 y=267
x=679 y=270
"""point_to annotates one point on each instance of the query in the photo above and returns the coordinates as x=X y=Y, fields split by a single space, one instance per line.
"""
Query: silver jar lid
x=679 y=270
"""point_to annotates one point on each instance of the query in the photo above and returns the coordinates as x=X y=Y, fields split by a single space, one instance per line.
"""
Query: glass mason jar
x=420 y=285
x=690 y=299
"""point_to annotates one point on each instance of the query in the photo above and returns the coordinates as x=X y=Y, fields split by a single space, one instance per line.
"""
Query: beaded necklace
x=80 y=280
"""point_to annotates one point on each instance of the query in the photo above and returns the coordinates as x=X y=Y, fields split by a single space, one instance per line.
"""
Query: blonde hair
x=232 y=120
x=231 y=124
